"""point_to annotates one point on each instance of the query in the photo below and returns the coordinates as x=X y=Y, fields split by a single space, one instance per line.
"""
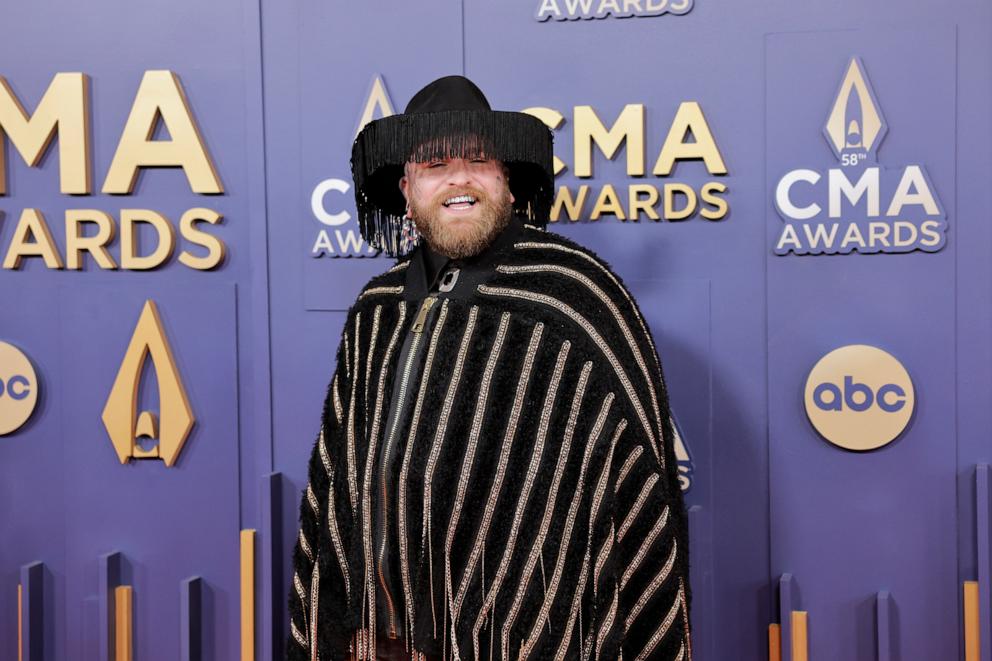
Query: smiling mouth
x=460 y=202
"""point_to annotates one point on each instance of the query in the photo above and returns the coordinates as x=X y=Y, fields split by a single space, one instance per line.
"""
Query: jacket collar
x=426 y=265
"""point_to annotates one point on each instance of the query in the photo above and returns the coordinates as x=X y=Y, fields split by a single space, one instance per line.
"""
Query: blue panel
x=89 y=643
x=882 y=518
x=169 y=522
x=31 y=470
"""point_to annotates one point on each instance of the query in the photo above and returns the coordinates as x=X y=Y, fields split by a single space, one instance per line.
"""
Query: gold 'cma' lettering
x=628 y=129
x=64 y=111
x=590 y=130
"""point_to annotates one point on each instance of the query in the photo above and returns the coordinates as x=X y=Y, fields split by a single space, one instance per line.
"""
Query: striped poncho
x=540 y=514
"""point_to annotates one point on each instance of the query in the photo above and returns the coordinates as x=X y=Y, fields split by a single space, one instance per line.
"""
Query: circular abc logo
x=18 y=388
x=859 y=397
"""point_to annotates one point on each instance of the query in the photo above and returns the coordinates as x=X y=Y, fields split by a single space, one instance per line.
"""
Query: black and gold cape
x=540 y=514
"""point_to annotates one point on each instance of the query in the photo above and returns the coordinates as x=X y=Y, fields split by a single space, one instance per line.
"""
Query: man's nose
x=458 y=172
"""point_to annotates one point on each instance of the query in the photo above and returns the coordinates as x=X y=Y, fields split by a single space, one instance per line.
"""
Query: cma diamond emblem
x=124 y=423
x=855 y=124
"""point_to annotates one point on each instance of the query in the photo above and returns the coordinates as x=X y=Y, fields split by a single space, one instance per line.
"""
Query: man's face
x=451 y=224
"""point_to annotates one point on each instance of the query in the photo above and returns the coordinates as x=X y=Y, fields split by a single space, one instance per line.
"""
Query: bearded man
x=495 y=474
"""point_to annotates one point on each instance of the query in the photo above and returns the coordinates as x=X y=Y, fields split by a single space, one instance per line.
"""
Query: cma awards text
x=64 y=114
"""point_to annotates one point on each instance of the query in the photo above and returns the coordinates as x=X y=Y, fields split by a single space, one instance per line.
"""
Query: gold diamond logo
x=124 y=423
x=855 y=124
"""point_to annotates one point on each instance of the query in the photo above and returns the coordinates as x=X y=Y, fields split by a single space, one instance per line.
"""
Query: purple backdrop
x=278 y=89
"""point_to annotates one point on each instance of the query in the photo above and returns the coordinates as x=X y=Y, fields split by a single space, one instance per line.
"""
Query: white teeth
x=459 y=198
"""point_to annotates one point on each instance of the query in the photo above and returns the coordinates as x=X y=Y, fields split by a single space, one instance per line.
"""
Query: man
x=495 y=474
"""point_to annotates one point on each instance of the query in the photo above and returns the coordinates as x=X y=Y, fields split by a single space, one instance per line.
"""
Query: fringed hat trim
x=521 y=141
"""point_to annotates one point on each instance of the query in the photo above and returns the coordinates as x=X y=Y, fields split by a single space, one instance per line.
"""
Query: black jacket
x=539 y=513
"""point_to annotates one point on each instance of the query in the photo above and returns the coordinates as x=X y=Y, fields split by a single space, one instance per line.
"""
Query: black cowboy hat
x=449 y=118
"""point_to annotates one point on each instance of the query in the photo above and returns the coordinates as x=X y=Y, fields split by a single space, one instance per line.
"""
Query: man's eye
x=435 y=164
x=479 y=160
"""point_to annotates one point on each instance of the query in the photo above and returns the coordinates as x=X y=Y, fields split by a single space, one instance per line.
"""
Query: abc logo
x=18 y=388
x=859 y=397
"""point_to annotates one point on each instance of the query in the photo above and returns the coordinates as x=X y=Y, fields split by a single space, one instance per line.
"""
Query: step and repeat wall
x=796 y=193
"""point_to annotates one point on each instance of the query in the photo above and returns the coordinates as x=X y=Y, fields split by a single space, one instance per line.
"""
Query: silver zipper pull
x=418 y=323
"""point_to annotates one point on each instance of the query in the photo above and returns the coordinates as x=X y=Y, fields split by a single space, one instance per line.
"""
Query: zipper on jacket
x=418 y=323
x=417 y=330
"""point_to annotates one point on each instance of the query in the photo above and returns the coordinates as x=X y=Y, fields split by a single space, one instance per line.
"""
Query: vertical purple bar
x=983 y=560
x=33 y=595
x=110 y=577
x=787 y=602
x=883 y=624
x=272 y=642
x=191 y=619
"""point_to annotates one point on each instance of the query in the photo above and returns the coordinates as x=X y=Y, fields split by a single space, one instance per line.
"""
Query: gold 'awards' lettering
x=689 y=138
x=63 y=113
x=126 y=426
x=33 y=238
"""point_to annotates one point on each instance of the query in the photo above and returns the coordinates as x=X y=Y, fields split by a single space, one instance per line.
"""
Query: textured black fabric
x=390 y=650
x=542 y=510
x=434 y=263
x=426 y=267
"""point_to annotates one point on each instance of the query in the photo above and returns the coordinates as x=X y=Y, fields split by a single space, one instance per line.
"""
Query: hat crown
x=448 y=93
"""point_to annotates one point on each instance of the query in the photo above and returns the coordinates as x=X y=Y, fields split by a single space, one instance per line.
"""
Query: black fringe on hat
x=521 y=141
